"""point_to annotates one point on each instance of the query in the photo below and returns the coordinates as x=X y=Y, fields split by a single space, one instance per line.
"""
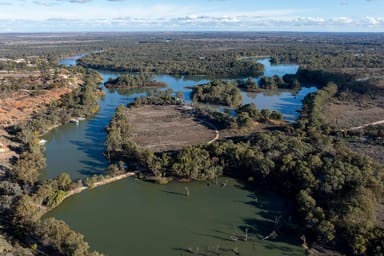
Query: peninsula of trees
x=132 y=81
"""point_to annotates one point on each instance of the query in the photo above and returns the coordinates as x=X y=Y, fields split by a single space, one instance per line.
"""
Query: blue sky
x=196 y=15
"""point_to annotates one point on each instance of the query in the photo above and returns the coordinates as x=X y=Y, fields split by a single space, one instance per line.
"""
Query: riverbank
x=98 y=184
x=78 y=190
x=112 y=179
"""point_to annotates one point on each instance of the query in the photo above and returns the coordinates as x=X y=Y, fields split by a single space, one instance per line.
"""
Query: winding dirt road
x=365 y=125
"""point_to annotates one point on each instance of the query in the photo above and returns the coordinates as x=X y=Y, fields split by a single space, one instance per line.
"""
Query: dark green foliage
x=195 y=163
x=244 y=117
x=64 y=181
x=276 y=82
x=133 y=81
x=128 y=81
x=291 y=82
x=220 y=120
x=335 y=188
x=273 y=82
x=313 y=116
x=178 y=57
x=159 y=98
x=119 y=141
x=61 y=238
x=31 y=160
x=55 y=199
x=218 y=92
x=249 y=85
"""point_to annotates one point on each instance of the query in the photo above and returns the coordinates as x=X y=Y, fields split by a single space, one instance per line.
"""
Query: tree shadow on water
x=220 y=235
x=174 y=193
x=274 y=215
x=94 y=152
x=90 y=172
x=204 y=251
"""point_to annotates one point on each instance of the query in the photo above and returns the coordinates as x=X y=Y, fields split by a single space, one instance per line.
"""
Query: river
x=136 y=218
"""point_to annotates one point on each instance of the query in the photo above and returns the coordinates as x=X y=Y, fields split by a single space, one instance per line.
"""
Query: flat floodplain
x=163 y=128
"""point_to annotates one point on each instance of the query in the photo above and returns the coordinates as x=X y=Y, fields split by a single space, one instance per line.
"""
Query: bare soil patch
x=347 y=114
x=359 y=110
x=21 y=106
x=163 y=128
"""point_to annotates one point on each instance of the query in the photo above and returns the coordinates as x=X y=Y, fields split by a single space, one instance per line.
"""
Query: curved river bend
x=135 y=218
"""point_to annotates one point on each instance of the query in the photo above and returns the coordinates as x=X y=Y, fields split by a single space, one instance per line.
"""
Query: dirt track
x=163 y=128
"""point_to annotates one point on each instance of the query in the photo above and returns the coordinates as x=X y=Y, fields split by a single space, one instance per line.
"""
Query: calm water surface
x=136 y=218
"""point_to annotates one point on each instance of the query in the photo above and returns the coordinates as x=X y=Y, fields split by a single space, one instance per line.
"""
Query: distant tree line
x=183 y=58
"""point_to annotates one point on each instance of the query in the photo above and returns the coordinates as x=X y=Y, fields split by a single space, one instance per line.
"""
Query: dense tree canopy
x=218 y=92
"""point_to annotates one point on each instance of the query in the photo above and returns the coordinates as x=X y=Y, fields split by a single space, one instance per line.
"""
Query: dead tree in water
x=273 y=234
x=187 y=191
x=246 y=234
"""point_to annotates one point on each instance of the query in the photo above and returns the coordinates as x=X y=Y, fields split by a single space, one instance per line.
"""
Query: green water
x=137 y=218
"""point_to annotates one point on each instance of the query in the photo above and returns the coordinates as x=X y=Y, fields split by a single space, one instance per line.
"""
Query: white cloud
x=256 y=21
x=342 y=20
x=374 y=21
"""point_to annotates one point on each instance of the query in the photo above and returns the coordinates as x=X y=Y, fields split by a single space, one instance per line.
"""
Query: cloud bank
x=207 y=15
x=195 y=23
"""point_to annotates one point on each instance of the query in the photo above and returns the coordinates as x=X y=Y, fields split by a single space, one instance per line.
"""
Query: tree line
x=176 y=57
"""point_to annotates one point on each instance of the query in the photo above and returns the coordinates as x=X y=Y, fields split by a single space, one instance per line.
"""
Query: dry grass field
x=163 y=128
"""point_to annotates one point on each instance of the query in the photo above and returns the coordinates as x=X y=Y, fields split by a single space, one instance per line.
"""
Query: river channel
x=136 y=218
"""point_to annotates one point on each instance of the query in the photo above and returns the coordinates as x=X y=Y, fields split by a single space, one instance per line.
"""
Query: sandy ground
x=163 y=128
x=20 y=106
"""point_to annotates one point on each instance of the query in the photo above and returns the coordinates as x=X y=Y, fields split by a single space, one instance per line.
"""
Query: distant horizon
x=191 y=31
x=56 y=16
